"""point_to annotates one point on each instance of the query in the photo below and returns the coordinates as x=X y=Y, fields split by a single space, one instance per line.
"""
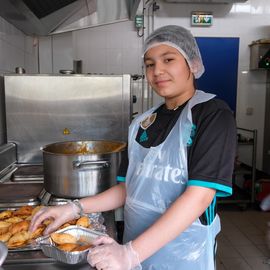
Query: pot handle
x=92 y=165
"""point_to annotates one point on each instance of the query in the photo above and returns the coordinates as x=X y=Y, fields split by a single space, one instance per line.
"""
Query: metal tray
x=50 y=250
x=97 y=221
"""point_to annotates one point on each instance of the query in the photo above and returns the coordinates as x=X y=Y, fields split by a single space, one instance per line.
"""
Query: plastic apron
x=156 y=177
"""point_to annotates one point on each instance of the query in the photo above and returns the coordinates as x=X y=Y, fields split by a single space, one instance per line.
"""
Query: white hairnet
x=180 y=39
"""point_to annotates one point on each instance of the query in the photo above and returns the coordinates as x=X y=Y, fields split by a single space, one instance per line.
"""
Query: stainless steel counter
x=45 y=266
x=30 y=260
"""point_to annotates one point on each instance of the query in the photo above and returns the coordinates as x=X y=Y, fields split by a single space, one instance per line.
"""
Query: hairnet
x=180 y=39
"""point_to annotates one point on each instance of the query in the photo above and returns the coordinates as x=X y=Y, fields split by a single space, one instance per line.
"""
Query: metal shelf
x=243 y=197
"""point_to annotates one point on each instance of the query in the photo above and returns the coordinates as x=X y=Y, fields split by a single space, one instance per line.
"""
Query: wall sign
x=139 y=21
x=201 y=19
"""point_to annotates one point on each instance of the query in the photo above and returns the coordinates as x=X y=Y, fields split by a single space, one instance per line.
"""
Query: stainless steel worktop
x=45 y=266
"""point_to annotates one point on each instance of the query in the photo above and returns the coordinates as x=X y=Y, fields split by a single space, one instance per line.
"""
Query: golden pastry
x=83 y=221
x=13 y=220
x=47 y=221
x=63 y=238
x=72 y=222
x=38 y=232
x=4 y=226
x=28 y=218
x=18 y=239
x=24 y=216
x=6 y=214
x=82 y=247
x=19 y=227
x=64 y=226
x=5 y=237
x=24 y=211
x=67 y=246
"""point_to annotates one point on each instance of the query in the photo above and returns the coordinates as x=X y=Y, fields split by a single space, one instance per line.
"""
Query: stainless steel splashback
x=43 y=109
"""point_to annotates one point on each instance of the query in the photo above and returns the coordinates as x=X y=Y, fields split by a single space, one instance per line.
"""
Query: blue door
x=220 y=58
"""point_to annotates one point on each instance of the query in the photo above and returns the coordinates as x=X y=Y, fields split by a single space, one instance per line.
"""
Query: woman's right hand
x=59 y=214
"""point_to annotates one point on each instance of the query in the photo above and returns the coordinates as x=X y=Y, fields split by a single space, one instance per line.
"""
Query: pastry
x=83 y=221
x=5 y=237
x=38 y=232
x=18 y=239
x=47 y=221
x=67 y=246
x=82 y=247
x=24 y=211
x=4 y=226
x=13 y=220
x=73 y=222
x=19 y=227
x=6 y=214
x=63 y=238
x=64 y=226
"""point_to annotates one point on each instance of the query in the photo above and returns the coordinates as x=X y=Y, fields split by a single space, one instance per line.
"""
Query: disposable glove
x=108 y=254
x=60 y=215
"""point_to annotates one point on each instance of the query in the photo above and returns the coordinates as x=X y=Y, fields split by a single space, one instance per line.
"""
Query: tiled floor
x=242 y=241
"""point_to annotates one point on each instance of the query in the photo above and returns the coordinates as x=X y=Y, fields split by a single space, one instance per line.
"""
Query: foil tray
x=50 y=250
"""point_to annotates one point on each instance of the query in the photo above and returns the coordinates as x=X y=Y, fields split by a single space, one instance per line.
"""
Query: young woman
x=180 y=158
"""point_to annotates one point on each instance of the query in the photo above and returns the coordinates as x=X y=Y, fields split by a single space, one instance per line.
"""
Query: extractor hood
x=206 y=1
x=44 y=17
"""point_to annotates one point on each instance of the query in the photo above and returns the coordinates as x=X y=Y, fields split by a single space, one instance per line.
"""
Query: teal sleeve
x=222 y=190
x=121 y=179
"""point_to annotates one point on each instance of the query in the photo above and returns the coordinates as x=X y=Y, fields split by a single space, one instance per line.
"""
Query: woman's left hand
x=108 y=254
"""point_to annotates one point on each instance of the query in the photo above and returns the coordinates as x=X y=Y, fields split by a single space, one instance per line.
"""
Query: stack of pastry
x=14 y=226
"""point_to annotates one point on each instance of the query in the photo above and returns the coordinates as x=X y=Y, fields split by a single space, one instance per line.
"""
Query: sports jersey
x=211 y=147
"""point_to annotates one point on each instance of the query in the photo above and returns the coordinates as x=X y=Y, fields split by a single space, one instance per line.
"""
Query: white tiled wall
x=108 y=49
x=16 y=49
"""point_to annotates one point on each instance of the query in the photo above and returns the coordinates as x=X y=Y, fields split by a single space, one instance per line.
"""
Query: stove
x=28 y=173
x=23 y=185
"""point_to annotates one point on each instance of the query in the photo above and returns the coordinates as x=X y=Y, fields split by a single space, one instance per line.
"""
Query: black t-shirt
x=211 y=149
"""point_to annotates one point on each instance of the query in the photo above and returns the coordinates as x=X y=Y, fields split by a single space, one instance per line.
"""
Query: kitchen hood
x=44 y=17
x=206 y=1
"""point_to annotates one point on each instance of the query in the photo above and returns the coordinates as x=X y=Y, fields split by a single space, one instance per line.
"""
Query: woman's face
x=169 y=74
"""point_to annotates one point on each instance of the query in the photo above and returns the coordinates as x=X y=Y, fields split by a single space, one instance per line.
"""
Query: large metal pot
x=82 y=168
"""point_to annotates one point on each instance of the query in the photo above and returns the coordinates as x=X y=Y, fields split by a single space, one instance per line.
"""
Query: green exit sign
x=139 y=21
x=201 y=19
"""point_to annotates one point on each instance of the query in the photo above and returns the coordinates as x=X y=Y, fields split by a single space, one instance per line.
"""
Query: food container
x=50 y=250
x=78 y=169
